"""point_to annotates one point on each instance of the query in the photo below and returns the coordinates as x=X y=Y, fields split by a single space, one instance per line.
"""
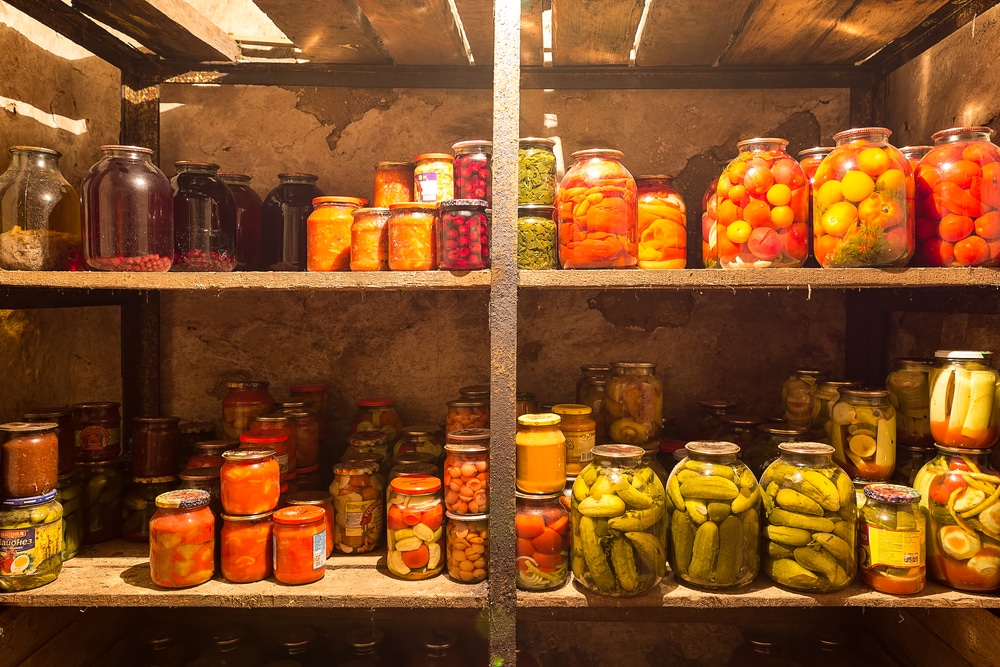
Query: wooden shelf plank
x=335 y=33
x=585 y=32
x=417 y=32
x=678 y=35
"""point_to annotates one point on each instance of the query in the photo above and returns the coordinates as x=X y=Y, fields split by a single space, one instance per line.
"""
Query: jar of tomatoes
x=710 y=226
x=420 y=439
x=662 y=223
x=63 y=417
x=103 y=487
x=359 y=511
x=467 y=471
x=468 y=544
x=811 y=158
x=393 y=183
x=156 y=444
x=414 y=527
x=247 y=544
x=542 y=527
x=31 y=542
x=98 y=431
x=463 y=242
x=250 y=481
x=536 y=171
x=243 y=402
x=299 y=544
x=633 y=404
x=913 y=155
x=377 y=414
x=863 y=433
x=139 y=505
x=963 y=404
x=541 y=453
x=413 y=236
x=328 y=233
x=370 y=239
x=277 y=442
x=182 y=539
x=893 y=540
x=433 y=177
x=909 y=392
x=473 y=170
x=29 y=459
x=596 y=205
x=318 y=498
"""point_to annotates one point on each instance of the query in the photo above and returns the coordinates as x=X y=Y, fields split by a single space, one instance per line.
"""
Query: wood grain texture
x=780 y=32
x=677 y=34
x=907 y=636
x=531 y=33
x=416 y=32
x=333 y=32
x=81 y=642
x=477 y=19
x=26 y=630
x=594 y=32
x=972 y=634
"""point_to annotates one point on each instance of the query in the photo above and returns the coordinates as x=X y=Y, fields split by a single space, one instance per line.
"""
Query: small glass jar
x=314 y=395
x=250 y=480
x=473 y=170
x=229 y=645
x=63 y=417
x=826 y=396
x=373 y=444
x=299 y=646
x=463 y=235
x=597 y=212
x=415 y=456
x=277 y=440
x=542 y=528
x=633 y=405
x=864 y=434
x=414 y=527
x=475 y=392
x=764 y=449
x=206 y=479
x=247 y=545
x=709 y=424
x=440 y=649
x=370 y=239
x=318 y=498
x=962 y=412
x=97 y=431
x=761 y=647
x=433 y=177
x=31 y=542
x=913 y=155
x=359 y=511
x=743 y=430
x=204 y=219
x=710 y=226
x=909 y=461
x=525 y=403
x=467 y=413
x=243 y=402
x=468 y=547
x=139 y=505
x=103 y=486
x=413 y=236
x=798 y=395
x=192 y=433
x=182 y=539
x=29 y=459
x=299 y=544
x=306 y=429
x=248 y=223
x=363 y=648
x=662 y=223
x=208 y=453
x=909 y=392
x=467 y=472
x=156 y=444
x=393 y=183
x=161 y=647
x=591 y=390
x=536 y=237
x=541 y=453
x=284 y=213
x=377 y=414
x=578 y=426
x=69 y=493
x=893 y=540
x=328 y=233
x=536 y=171
x=811 y=518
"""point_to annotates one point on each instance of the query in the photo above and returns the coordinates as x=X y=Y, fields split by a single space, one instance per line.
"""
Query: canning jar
x=410 y=469
x=161 y=646
x=596 y=208
x=524 y=403
x=182 y=539
x=247 y=545
x=364 y=647
x=474 y=170
x=63 y=417
x=591 y=389
x=97 y=431
x=306 y=429
x=377 y=414
x=633 y=404
x=206 y=479
x=467 y=413
x=407 y=457
x=314 y=396
x=708 y=425
x=475 y=392
x=299 y=544
x=863 y=434
x=31 y=542
x=284 y=213
x=467 y=471
x=103 y=486
x=393 y=183
x=536 y=237
x=744 y=430
x=39 y=214
x=414 y=522
x=69 y=493
x=913 y=155
x=413 y=236
x=763 y=450
x=248 y=223
x=617 y=491
x=249 y=481
x=541 y=453
x=963 y=409
x=468 y=544
x=308 y=479
x=963 y=521
x=662 y=223
x=542 y=528
x=433 y=177
x=810 y=521
x=328 y=233
x=826 y=396
x=893 y=540
x=274 y=431
x=463 y=242
x=29 y=458
x=580 y=430
x=761 y=647
x=204 y=219
x=139 y=505
x=909 y=392
x=128 y=212
x=358 y=497
x=192 y=433
x=370 y=239
x=536 y=171
x=243 y=402
x=710 y=226
x=298 y=646
x=208 y=453
x=811 y=158
x=863 y=203
x=423 y=439
x=368 y=444
x=156 y=443
x=319 y=498
x=957 y=198
x=909 y=461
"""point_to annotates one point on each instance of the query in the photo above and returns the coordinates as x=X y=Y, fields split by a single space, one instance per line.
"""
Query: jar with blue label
x=299 y=544
x=31 y=542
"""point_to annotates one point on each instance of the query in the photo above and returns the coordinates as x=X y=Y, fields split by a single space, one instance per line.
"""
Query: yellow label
x=894 y=548
x=578 y=446
x=354 y=516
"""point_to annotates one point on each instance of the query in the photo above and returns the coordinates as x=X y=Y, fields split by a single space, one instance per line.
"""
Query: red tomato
x=549 y=542
x=432 y=518
x=955 y=227
x=736 y=171
x=549 y=562
x=795 y=239
x=935 y=252
x=738 y=195
x=411 y=517
x=925 y=179
x=764 y=243
x=988 y=225
x=524 y=547
x=757 y=180
x=788 y=172
x=394 y=518
x=943 y=154
x=729 y=212
x=559 y=525
x=979 y=154
x=529 y=526
x=942 y=488
x=961 y=172
x=971 y=251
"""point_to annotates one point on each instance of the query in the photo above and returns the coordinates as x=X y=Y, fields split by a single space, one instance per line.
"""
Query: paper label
x=892 y=548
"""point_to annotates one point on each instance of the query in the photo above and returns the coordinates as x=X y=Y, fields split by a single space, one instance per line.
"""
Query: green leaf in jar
x=536 y=175
x=536 y=242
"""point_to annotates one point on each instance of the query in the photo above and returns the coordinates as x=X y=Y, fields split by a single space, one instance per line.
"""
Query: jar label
x=282 y=463
x=579 y=446
x=892 y=548
x=427 y=185
x=358 y=515
x=23 y=550
x=319 y=550
x=96 y=438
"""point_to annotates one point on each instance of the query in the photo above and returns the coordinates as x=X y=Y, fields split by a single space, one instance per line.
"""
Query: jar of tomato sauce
x=182 y=539
x=247 y=544
x=29 y=459
x=359 y=510
x=328 y=233
x=98 y=431
x=433 y=177
x=267 y=431
x=377 y=414
x=467 y=471
x=541 y=454
x=250 y=481
x=393 y=183
x=63 y=417
x=243 y=402
x=414 y=522
x=413 y=236
x=299 y=544
x=370 y=239
x=156 y=444
x=319 y=499
x=662 y=223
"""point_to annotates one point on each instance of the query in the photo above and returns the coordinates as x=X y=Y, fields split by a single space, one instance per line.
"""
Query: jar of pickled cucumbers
x=414 y=527
x=31 y=542
x=863 y=434
x=633 y=404
x=763 y=450
x=893 y=540
x=619 y=523
x=103 y=486
x=139 y=505
x=542 y=527
x=909 y=392
x=963 y=404
x=827 y=393
x=798 y=395
x=810 y=520
x=69 y=493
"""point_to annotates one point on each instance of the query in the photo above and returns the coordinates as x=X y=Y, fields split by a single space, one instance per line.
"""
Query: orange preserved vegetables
x=246 y=547
x=370 y=239
x=182 y=539
x=412 y=233
x=250 y=481
x=328 y=233
x=299 y=544
x=662 y=224
x=393 y=183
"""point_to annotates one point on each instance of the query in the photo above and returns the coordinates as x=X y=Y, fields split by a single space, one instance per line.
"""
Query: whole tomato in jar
x=709 y=226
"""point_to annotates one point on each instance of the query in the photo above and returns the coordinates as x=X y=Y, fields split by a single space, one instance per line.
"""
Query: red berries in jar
x=463 y=235
x=473 y=170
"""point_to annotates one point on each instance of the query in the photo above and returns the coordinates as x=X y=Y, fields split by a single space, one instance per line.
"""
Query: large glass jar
x=243 y=402
x=893 y=540
x=299 y=544
x=543 y=529
x=963 y=404
x=359 y=510
x=662 y=223
x=328 y=236
x=909 y=392
x=957 y=196
x=863 y=203
x=31 y=542
x=103 y=487
x=811 y=518
x=139 y=505
x=393 y=183
x=463 y=242
x=247 y=546
x=541 y=454
x=319 y=498
x=413 y=236
x=619 y=523
x=39 y=214
x=466 y=471
x=863 y=434
x=248 y=223
x=811 y=158
x=283 y=221
x=370 y=239
x=377 y=414
x=798 y=395
x=597 y=213
x=433 y=177
x=194 y=432
x=208 y=453
x=710 y=226
x=536 y=237
x=536 y=171
x=182 y=539
x=474 y=170
x=414 y=521
x=29 y=459
x=63 y=417
x=128 y=212
x=957 y=495
x=826 y=396
x=633 y=404
x=913 y=155
x=468 y=545
x=250 y=481
x=204 y=219
x=715 y=517
x=580 y=430
x=466 y=413
x=97 y=431
x=69 y=493
x=156 y=443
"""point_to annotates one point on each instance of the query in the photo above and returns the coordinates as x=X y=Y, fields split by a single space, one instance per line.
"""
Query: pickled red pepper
x=662 y=224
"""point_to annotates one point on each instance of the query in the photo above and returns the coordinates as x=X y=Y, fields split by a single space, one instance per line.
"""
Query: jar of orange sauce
x=319 y=499
x=328 y=233
x=370 y=239
x=393 y=183
x=541 y=453
x=250 y=481
x=412 y=232
x=247 y=547
x=299 y=544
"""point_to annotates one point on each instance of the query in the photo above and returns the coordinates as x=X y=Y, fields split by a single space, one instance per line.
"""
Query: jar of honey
x=370 y=239
x=433 y=177
x=328 y=233
x=412 y=236
x=393 y=183
x=541 y=454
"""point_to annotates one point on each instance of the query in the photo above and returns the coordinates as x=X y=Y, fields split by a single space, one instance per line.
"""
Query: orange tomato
x=529 y=526
x=757 y=213
x=825 y=247
x=736 y=171
x=728 y=212
x=738 y=195
x=988 y=225
x=779 y=194
x=971 y=251
x=549 y=542
x=857 y=185
x=979 y=154
x=839 y=218
x=782 y=216
x=417 y=558
x=885 y=213
x=829 y=194
x=432 y=517
x=961 y=172
x=955 y=227
x=873 y=161
x=758 y=180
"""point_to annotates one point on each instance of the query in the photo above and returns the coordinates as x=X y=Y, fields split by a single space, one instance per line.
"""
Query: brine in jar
x=415 y=527
x=662 y=223
x=863 y=434
x=963 y=403
x=473 y=170
x=893 y=540
x=536 y=237
x=543 y=530
x=798 y=395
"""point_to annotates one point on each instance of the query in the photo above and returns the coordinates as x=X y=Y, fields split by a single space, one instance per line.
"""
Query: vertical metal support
x=502 y=595
x=141 y=118
x=140 y=349
x=866 y=345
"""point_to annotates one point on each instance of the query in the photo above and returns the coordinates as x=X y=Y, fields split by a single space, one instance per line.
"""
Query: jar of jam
x=319 y=499
x=192 y=433
x=97 y=431
x=633 y=404
x=798 y=395
x=909 y=392
x=31 y=542
x=536 y=237
x=536 y=171
x=204 y=219
x=156 y=443
x=893 y=540
x=299 y=544
x=596 y=205
x=248 y=224
x=413 y=236
x=468 y=544
x=370 y=239
x=710 y=226
x=467 y=471
x=662 y=223
x=250 y=481
x=864 y=434
x=306 y=429
x=243 y=402
x=208 y=453
x=69 y=493
x=182 y=539
x=267 y=431
x=393 y=183
x=63 y=417
x=139 y=505
x=962 y=412
x=103 y=486
x=580 y=430
x=433 y=177
x=473 y=170
x=377 y=414
x=247 y=545
x=328 y=239
x=359 y=512
x=283 y=221
x=541 y=454
x=467 y=413
x=463 y=242
x=542 y=527
x=314 y=395
x=29 y=459
x=414 y=527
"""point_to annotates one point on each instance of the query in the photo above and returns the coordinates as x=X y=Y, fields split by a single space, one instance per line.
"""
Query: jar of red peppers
x=182 y=539
x=710 y=226
x=863 y=203
x=413 y=236
x=377 y=414
x=958 y=194
x=247 y=545
x=662 y=223
x=542 y=526
x=243 y=402
x=596 y=205
x=433 y=177
x=299 y=544
x=275 y=422
x=156 y=446
x=328 y=233
x=414 y=520
x=467 y=471
x=393 y=183
x=276 y=440
x=473 y=170
x=248 y=231
x=29 y=459
x=204 y=219
x=463 y=242
x=63 y=417
x=98 y=431
x=250 y=481
x=370 y=239
x=963 y=408
x=318 y=498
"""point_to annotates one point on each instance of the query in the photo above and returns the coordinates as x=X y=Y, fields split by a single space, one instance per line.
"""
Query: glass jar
x=743 y=430
x=913 y=155
x=909 y=461
x=192 y=433
x=591 y=389
x=314 y=396
x=413 y=236
x=156 y=443
x=440 y=649
x=328 y=233
x=182 y=539
x=909 y=392
x=306 y=429
x=377 y=414
x=811 y=158
x=103 y=486
x=300 y=646
x=139 y=505
x=709 y=425
x=463 y=241
x=764 y=449
x=161 y=647
x=364 y=648
x=358 y=507
x=633 y=405
x=957 y=194
x=247 y=545
x=433 y=177
x=710 y=226
x=826 y=396
x=466 y=414
x=276 y=439
x=230 y=646
x=248 y=206
x=393 y=183
x=761 y=647
x=97 y=431
x=249 y=481
x=309 y=479
x=410 y=469
x=893 y=540
x=299 y=544
x=206 y=479
x=536 y=237
x=29 y=459
x=243 y=402
x=618 y=491
x=863 y=434
x=541 y=453
x=596 y=207
x=208 y=453
x=811 y=518
x=715 y=519
x=474 y=170
x=63 y=417
x=536 y=171
x=370 y=239
x=414 y=522
x=798 y=395
x=405 y=458
x=368 y=444
x=963 y=409
x=39 y=214
x=204 y=219
x=662 y=223
x=542 y=527
x=31 y=542
x=284 y=213
x=69 y=493
x=318 y=498
x=580 y=430
x=525 y=403
x=128 y=212
x=863 y=203
x=467 y=471
x=963 y=522
x=468 y=544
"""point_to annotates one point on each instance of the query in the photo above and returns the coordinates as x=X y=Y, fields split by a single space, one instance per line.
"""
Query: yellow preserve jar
x=541 y=453
x=580 y=430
